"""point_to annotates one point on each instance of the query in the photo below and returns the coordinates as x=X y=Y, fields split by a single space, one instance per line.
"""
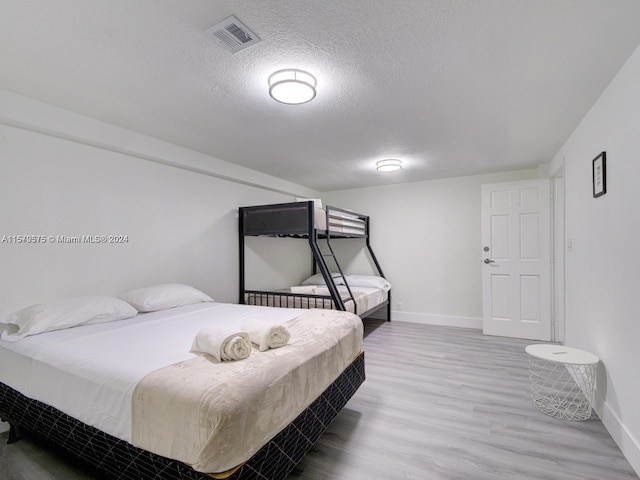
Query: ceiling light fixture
x=388 y=165
x=292 y=86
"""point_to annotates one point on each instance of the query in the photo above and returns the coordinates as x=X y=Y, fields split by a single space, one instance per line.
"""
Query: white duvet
x=90 y=372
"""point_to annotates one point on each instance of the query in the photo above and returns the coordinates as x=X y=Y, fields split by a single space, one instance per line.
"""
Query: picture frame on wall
x=599 y=170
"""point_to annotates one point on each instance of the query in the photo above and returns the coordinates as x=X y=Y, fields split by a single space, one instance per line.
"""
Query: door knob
x=488 y=260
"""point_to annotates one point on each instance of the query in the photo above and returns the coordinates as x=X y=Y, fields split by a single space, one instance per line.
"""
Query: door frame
x=558 y=290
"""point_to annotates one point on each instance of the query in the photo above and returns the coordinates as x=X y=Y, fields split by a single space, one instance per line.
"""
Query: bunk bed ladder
x=319 y=260
x=346 y=284
x=335 y=260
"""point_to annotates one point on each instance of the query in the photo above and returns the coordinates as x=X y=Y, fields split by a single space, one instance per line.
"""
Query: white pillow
x=317 y=202
x=318 y=279
x=368 y=281
x=162 y=297
x=60 y=314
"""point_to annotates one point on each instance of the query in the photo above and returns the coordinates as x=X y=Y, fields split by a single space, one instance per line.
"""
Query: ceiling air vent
x=233 y=34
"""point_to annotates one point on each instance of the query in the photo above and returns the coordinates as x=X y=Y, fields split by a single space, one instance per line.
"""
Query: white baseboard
x=629 y=445
x=429 y=319
x=4 y=427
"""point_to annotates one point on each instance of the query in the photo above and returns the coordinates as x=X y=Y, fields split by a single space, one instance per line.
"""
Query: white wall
x=64 y=174
x=603 y=266
x=426 y=236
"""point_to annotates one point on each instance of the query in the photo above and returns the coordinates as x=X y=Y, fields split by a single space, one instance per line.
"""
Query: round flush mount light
x=388 y=165
x=292 y=86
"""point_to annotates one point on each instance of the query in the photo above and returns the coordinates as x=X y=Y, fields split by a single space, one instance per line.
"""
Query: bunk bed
x=318 y=226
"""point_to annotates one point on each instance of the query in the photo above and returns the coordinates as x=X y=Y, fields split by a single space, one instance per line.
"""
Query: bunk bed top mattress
x=341 y=222
x=123 y=377
x=320 y=218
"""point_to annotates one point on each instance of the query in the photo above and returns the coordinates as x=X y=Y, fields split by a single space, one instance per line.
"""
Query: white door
x=516 y=256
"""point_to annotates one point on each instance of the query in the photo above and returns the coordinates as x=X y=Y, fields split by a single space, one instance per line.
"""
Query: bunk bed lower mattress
x=268 y=377
x=306 y=296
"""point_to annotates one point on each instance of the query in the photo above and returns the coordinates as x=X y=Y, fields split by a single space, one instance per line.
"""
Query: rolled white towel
x=223 y=343
x=266 y=335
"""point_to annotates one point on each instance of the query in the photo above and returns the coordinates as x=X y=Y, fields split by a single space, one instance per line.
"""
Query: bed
x=333 y=289
x=129 y=397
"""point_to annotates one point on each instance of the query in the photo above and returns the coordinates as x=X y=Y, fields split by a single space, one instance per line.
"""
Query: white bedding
x=90 y=372
x=339 y=222
x=366 y=297
x=320 y=219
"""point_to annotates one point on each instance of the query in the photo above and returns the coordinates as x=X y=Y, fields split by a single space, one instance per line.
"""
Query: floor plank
x=444 y=403
x=439 y=403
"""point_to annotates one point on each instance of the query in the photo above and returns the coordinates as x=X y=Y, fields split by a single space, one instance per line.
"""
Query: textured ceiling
x=451 y=87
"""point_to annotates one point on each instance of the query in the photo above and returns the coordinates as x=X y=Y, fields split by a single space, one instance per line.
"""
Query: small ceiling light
x=388 y=165
x=292 y=86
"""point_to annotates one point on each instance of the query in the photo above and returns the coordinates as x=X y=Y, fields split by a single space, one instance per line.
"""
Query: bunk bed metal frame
x=297 y=220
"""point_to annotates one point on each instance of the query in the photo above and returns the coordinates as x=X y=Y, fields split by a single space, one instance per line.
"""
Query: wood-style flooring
x=439 y=403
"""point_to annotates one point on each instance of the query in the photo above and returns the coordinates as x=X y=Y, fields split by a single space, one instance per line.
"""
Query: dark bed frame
x=297 y=220
x=120 y=460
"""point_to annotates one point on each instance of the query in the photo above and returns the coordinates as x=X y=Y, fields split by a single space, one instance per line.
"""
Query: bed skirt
x=121 y=460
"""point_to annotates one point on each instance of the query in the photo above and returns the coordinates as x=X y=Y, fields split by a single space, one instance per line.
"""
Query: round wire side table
x=562 y=380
